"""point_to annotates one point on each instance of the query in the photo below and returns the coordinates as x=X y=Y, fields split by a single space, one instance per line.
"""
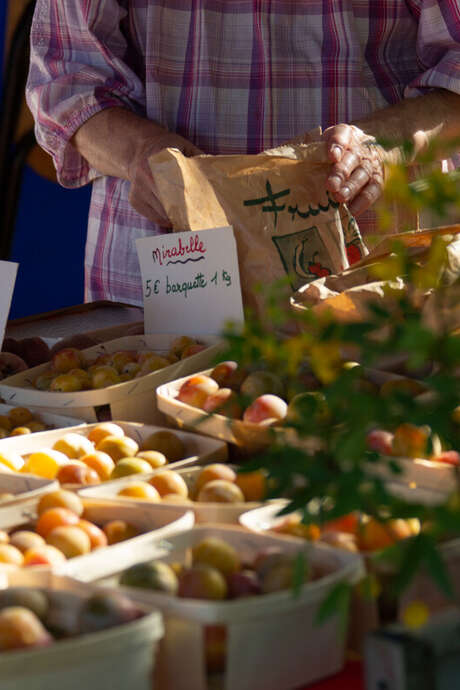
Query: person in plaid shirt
x=113 y=81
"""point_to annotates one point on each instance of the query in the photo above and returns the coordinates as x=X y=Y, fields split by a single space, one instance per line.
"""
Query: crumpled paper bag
x=284 y=220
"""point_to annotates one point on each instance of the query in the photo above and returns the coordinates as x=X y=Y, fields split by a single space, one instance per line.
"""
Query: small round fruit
x=4 y=537
x=218 y=554
x=119 y=530
x=411 y=441
x=21 y=628
x=140 y=490
x=66 y=359
x=118 y=448
x=65 y=383
x=96 y=536
x=104 y=376
x=43 y=555
x=202 y=582
x=104 y=429
x=153 y=457
x=30 y=597
x=179 y=344
x=19 y=416
x=380 y=441
x=73 y=445
x=20 y=431
x=10 y=554
x=266 y=407
x=77 y=473
x=71 y=540
x=46 y=463
x=25 y=540
x=60 y=499
x=220 y=491
x=100 y=462
x=5 y=422
x=166 y=442
x=128 y=466
x=252 y=484
x=215 y=470
x=35 y=426
x=169 y=482
x=222 y=372
x=196 y=389
x=155 y=575
x=224 y=402
x=55 y=517
x=243 y=584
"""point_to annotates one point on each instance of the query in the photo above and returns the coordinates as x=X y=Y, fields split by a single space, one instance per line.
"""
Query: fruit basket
x=45 y=420
x=75 y=449
x=131 y=400
x=184 y=415
x=271 y=641
x=121 y=655
x=205 y=511
x=129 y=531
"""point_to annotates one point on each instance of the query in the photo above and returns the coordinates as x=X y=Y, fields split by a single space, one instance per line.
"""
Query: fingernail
x=345 y=192
x=336 y=151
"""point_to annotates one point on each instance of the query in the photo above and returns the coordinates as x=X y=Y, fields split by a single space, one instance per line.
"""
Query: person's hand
x=142 y=196
x=357 y=173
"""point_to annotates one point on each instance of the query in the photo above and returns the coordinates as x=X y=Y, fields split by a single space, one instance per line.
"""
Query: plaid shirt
x=232 y=76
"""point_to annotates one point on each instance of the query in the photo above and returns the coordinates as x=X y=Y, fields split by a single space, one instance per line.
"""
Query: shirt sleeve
x=438 y=46
x=79 y=65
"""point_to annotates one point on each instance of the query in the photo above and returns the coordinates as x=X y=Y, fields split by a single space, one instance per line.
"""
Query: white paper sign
x=190 y=281
x=8 y=271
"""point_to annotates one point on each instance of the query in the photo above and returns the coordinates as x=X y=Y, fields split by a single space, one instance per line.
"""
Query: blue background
x=49 y=238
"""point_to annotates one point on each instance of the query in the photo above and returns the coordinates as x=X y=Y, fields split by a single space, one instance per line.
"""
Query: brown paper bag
x=284 y=220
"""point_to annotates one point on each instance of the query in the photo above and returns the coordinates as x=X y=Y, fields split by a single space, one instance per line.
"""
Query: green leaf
x=337 y=602
x=300 y=572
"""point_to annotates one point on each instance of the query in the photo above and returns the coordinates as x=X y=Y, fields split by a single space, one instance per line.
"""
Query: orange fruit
x=55 y=517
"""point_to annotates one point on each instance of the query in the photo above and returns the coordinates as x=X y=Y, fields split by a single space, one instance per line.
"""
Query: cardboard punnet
x=204 y=512
x=119 y=657
x=131 y=400
x=273 y=641
x=24 y=487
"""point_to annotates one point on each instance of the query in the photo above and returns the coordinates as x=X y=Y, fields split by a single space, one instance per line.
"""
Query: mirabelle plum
x=69 y=539
x=202 y=582
x=179 y=344
x=19 y=416
x=46 y=463
x=65 y=383
x=196 y=389
x=266 y=407
x=121 y=358
x=128 y=466
x=96 y=536
x=260 y=382
x=73 y=445
x=380 y=441
x=374 y=535
x=11 y=460
x=220 y=491
x=141 y=490
x=222 y=372
x=130 y=370
x=83 y=376
x=25 y=540
x=411 y=441
x=169 y=482
x=66 y=359
x=166 y=442
x=55 y=517
x=153 y=363
x=43 y=381
x=20 y=628
x=252 y=484
x=10 y=554
x=119 y=530
x=100 y=431
x=192 y=350
x=43 y=555
x=216 y=470
x=225 y=402
x=77 y=473
x=104 y=376
x=60 y=499
x=153 y=457
x=118 y=448
x=218 y=554
x=20 y=431
x=35 y=425
x=100 y=462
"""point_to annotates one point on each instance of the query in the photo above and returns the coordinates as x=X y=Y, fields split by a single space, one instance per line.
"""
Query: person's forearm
x=112 y=138
x=416 y=120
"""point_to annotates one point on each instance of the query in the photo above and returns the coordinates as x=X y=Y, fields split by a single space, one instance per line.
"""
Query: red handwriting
x=192 y=247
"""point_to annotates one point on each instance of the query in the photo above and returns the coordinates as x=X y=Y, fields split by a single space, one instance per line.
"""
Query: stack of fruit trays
x=228 y=606
x=113 y=380
x=215 y=492
x=56 y=633
x=92 y=453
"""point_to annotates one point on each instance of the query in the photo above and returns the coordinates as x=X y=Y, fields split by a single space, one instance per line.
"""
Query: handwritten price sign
x=191 y=282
